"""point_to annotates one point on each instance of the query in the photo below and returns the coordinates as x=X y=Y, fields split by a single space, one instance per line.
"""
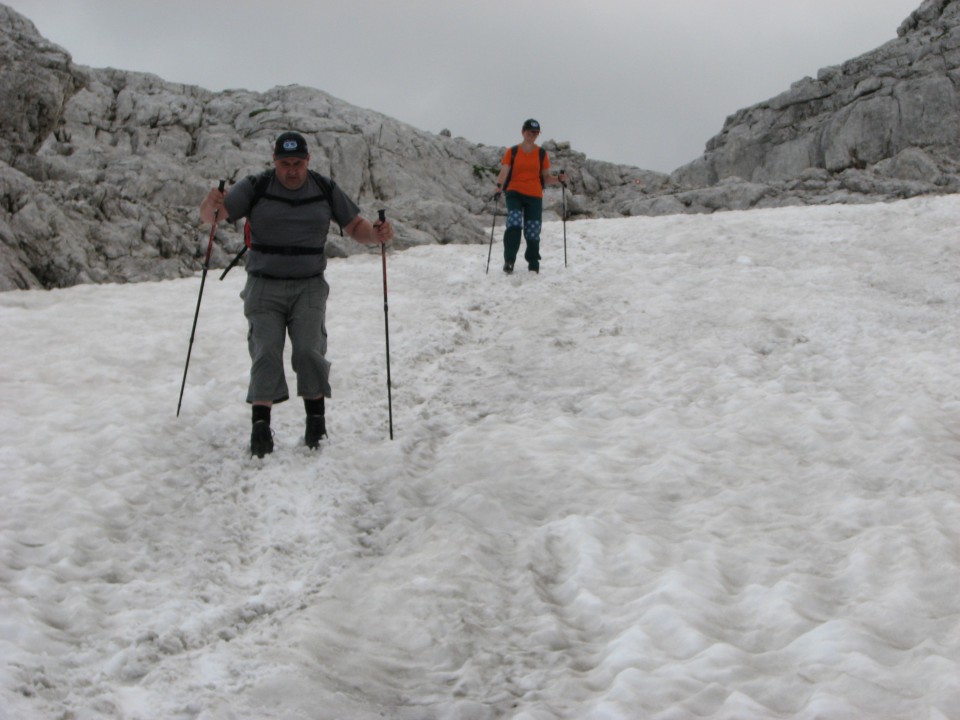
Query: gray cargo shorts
x=275 y=308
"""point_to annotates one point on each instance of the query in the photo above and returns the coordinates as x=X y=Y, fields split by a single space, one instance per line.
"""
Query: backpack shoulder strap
x=262 y=181
x=260 y=184
x=513 y=157
x=326 y=187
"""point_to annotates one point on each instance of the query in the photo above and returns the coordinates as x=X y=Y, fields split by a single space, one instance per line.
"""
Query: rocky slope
x=101 y=170
x=884 y=125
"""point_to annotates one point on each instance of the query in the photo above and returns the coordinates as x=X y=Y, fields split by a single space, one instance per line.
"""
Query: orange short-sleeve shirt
x=525 y=178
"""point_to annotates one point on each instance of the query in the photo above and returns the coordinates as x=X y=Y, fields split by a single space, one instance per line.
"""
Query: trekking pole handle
x=381 y=219
x=220 y=186
x=213 y=229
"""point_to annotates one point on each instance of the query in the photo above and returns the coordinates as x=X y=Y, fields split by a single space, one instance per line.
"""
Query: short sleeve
x=344 y=210
x=239 y=199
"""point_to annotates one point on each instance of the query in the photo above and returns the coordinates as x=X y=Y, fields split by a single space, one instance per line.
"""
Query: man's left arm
x=363 y=231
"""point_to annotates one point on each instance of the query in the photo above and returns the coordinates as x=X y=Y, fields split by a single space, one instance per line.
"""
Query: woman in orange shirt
x=524 y=171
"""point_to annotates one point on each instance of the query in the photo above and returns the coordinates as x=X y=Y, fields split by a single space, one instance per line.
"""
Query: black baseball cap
x=290 y=144
x=531 y=124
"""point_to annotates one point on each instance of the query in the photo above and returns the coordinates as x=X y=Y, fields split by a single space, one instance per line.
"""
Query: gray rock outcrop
x=884 y=125
x=102 y=170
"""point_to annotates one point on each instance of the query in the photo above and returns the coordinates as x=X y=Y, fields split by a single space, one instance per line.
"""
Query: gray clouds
x=644 y=82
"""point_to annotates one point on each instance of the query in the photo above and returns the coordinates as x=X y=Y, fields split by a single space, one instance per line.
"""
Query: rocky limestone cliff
x=102 y=170
x=884 y=125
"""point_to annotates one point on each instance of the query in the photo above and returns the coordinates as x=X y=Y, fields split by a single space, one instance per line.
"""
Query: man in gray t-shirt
x=288 y=212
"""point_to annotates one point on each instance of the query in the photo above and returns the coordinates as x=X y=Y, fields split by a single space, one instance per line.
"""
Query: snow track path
x=711 y=469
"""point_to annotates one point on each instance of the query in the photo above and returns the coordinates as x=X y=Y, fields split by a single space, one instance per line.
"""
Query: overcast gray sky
x=642 y=82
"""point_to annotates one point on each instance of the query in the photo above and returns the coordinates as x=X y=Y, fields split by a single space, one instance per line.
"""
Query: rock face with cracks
x=884 y=125
x=102 y=170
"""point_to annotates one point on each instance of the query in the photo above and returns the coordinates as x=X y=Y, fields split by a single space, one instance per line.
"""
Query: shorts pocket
x=251 y=294
x=317 y=294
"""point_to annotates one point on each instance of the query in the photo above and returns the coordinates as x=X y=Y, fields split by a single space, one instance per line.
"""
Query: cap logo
x=289 y=144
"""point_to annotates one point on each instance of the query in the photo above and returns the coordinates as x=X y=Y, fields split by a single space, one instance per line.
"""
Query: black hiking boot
x=508 y=267
x=316 y=429
x=261 y=439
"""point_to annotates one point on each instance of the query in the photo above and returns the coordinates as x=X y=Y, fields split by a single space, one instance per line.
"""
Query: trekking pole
x=386 y=322
x=496 y=202
x=196 y=314
x=564 y=218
